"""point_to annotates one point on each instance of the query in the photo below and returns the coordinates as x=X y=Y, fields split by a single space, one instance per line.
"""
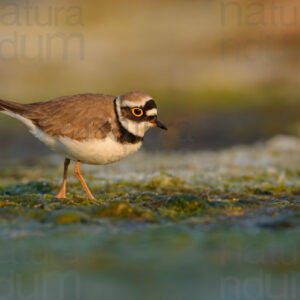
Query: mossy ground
x=222 y=225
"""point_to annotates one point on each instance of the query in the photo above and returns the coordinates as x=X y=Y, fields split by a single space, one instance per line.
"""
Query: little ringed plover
x=88 y=128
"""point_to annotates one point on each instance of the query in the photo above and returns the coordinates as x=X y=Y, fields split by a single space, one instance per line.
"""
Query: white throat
x=136 y=128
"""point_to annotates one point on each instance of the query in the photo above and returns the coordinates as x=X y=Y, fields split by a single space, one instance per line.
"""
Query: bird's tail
x=16 y=108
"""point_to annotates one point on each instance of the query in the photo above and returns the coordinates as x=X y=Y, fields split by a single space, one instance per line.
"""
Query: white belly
x=95 y=152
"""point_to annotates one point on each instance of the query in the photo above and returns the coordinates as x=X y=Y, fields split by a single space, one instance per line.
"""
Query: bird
x=95 y=129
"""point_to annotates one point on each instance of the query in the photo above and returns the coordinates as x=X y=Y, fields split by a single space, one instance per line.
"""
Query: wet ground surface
x=217 y=225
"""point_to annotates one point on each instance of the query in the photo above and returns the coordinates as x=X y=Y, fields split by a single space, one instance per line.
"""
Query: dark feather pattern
x=122 y=134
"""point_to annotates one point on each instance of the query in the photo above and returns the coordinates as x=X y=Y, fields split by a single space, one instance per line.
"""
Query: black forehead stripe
x=150 y=104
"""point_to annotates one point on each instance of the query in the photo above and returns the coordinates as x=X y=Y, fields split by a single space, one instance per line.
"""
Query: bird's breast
x=93 y=151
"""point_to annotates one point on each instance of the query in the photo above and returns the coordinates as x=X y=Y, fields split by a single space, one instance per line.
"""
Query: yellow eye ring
x=137 y=112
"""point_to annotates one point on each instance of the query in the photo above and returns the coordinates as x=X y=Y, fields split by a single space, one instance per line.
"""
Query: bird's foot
x=61 y=195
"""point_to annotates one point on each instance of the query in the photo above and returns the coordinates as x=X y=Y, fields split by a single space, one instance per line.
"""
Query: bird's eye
x=137 y=112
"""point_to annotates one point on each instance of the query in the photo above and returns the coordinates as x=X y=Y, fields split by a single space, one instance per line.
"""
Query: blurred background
x=218 y=225
x=222 y=72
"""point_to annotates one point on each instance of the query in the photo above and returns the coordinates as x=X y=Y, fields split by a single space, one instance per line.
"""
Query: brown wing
x=14 y=107
x=78 y=117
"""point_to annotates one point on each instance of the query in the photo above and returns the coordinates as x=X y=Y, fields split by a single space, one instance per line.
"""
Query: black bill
x=159 y=124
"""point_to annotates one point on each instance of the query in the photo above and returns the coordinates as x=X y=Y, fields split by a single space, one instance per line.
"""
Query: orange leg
x=62 y=193
x=77 y=172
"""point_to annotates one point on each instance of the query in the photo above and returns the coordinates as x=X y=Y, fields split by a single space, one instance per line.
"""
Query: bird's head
x=137 y=112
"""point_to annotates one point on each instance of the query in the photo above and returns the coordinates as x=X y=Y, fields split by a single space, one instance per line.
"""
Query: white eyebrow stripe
x=151 y=112
x=135 y=104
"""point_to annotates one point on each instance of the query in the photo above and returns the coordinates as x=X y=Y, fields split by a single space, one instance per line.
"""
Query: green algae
x=160 y=198
x=70 y=217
